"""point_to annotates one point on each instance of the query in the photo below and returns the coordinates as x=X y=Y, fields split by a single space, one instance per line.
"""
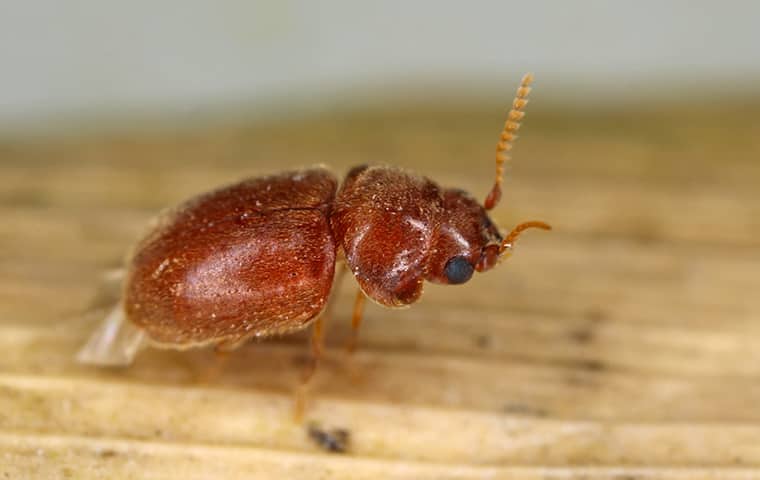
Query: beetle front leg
x=356 y=321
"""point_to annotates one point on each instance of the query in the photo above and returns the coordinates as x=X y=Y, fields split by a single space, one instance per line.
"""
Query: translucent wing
x=114 y=343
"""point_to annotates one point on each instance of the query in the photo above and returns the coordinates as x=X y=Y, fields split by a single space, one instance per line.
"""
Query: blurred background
x=83 y=62
x=628 y=337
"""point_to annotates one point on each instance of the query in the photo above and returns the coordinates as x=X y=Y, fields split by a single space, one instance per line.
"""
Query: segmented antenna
x=507 y=137
x=505 y=249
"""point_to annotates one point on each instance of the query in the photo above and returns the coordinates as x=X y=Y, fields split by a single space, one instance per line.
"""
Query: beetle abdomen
x=252 y=259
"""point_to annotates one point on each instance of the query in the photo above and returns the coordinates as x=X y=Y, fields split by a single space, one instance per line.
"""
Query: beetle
x=257 y=258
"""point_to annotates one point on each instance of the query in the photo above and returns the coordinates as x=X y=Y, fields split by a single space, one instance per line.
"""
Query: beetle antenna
x=507 y=137
x=509 y=241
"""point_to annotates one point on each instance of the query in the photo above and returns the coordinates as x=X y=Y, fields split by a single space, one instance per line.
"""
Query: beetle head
x=467 y=240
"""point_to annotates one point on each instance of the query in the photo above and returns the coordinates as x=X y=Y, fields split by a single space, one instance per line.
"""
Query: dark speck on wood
x=334 y=440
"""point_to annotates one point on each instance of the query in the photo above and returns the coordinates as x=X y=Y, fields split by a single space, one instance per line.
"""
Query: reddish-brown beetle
x=257 y=258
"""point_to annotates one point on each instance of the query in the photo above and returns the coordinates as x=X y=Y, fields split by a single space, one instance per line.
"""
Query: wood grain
x=625 y=344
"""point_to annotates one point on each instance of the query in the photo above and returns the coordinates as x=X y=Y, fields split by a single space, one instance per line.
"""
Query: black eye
x=458 y=270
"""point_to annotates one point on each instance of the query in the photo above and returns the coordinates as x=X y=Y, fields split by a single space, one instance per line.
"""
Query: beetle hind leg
x=317 y=347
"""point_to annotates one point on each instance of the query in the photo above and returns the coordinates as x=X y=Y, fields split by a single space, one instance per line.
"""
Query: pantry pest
x=258 y=258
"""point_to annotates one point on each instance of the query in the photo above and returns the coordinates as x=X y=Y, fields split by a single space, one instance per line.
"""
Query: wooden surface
x=625 y=344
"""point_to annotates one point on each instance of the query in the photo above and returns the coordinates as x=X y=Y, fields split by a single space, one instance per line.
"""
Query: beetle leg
x=316 y=342
x=318 y=334
x=222 y=353
x=356 y=321
x=317 y=346
x=214 y=369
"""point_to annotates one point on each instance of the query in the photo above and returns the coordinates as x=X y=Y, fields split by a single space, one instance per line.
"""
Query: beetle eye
x=458 y=270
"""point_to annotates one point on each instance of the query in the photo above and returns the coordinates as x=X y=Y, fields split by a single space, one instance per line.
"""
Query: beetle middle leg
x=317 y=347
x=316 y=342
x=317 y=339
